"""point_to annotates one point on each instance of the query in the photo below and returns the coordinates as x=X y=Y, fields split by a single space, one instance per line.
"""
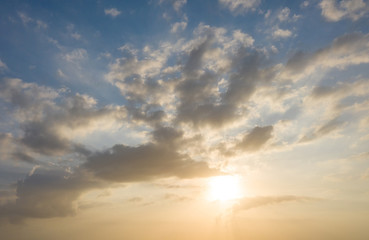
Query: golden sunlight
x=224 y=188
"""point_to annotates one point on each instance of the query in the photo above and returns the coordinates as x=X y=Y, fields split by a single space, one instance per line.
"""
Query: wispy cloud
x=335 y=11
x=240 y=6
x=256 y=202
x=282 y=33
x=112 y=12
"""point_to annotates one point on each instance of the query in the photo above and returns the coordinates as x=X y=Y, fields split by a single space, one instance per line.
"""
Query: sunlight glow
x=224 y=188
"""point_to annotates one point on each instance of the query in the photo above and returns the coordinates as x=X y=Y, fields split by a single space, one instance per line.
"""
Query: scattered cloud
x=76 y=55
x=177 y=4
x=304 y=4
x=113 y=12
x=282 y=33
x=40 y=24
x=178 y=26
x=334 y=10
x=284 y=14
x=24 y=17
x=37 y=23
x=61 y=73
x=76 y=36
x=3 y=66
x=240 y=6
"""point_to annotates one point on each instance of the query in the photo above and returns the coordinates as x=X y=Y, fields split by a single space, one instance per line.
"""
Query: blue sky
x=145 y=105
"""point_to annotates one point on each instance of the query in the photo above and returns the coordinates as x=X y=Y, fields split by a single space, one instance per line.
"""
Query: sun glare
x=224 y=188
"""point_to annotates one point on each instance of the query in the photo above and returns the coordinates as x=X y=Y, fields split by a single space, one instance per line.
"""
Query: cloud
x=3 y=66
x=217 y=72
x=145 y=162
x=38 y=24
x=341 y=90
x=163 y=157
x=256 y=139
x=76 y=35
x=76 y=55
x=112 y=12
x=282 y=33
x=304 y=4
x=323 y=130
x=25 y=19
x=352 y=9
x=177 y=4
x=201 y=100
x=61 y=73
x=239 y=6
x=284 y=14
x=48 y=127
x=50 y=135
x=178 y=26
x=349 y=49
x=255 y=202
x=47 y=193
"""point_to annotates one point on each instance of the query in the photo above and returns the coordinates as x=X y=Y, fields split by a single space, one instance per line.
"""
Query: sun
x=224 y=188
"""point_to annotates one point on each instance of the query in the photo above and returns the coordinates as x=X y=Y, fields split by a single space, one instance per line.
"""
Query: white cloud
x=274 y=49
x=281 y=33
x=267 y=14
x=238 y=6
x=177 y=5
x=76 y=35
x=178 y=26
x=112 y=12
x=61 y=73
x=3 y=66
x=284 y=14
x=304 y=4
x=353 y=9
x=25 y=19
x=76 y=55
x=41 y=24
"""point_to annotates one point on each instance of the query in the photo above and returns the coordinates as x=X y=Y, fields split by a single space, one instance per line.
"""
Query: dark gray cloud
x=151 y=114
x=46 y=194
x=201 y=102
x=255 y=139
x=145 y=162
x=167 y=135
x=245 y=74
x=255 y=202
x=11 y=149
x=195 y=59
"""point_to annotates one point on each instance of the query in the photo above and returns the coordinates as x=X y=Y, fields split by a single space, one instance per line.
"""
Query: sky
x=184 y=119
